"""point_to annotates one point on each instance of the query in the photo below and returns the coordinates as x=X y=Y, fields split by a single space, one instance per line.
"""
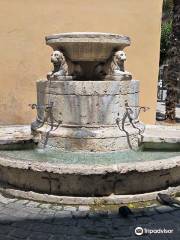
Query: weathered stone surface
x=76 y=138
x=80 y=180
x=84 y=141
x=87 y=46
x=89 y=104
x=88 y=88
x=112 y=199
x=15 y=133
x=162 y=137
x=16 y=137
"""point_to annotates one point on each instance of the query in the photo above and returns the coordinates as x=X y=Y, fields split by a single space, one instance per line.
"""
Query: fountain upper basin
x=87 y=46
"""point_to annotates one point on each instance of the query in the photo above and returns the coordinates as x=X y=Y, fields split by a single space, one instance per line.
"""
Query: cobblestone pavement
x=23 y=219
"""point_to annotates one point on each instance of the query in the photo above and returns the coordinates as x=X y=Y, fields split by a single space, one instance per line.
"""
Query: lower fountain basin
x=89 y=174
x=87 y=178
x=54 y=156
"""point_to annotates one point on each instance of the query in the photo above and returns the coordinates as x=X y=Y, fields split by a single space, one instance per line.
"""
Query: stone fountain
x=86 y=94
x=87 y=116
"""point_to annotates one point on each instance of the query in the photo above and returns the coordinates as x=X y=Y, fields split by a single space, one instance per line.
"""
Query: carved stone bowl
x=87 y=46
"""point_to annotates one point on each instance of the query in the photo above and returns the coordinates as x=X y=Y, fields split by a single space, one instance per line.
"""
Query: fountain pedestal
x=87 y=91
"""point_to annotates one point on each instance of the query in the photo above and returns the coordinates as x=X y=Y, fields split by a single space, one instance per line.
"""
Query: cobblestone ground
x=23 y=219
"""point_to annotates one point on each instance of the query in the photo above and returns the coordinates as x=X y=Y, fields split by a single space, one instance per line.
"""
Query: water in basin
x=57 y=156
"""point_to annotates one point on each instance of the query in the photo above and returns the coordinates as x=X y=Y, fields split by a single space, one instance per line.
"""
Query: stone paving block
x=102 y=230
x=100 y=223
x=93 y=215
x=40 y=236
x=65 y=237
x=9 y=219
x=45 y=218
x=149 y=211
x=69 y=230
x=23 y=201
x=5 y=219
x=134 y=238
x=158 y=237
x=2 y=206
x=33 y=210
x=4 y=237
x=21 y=215
x=100 y=237
x=164 y=209
x=57 y=207
x=118 y=238
x=123 y=222
x=138 y=213
x=6 y=200
x=63 y=214
x=161 y=217
x=43 y=227
x=173 y=236
x=20 y=233
x=122 y=231
x=95 y=231
x=107 y=222
x=37 y=218
x=69 y=208
x=45 y=205
x=84 y=222
x=32 y=204
x=25 y=225
x=83 y=208
x=143 y=220
x=14 y=212
x=16 y=205
x=176 y=213
x=49 y=212
x=4 y=229
x=80 y=214
x=101 y=213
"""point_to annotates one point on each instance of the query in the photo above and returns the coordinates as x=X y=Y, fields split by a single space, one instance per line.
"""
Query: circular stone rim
x=91 y=169
x=124 y=178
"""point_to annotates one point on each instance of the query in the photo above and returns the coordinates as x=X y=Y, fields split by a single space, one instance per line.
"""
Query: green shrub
x=166 y=30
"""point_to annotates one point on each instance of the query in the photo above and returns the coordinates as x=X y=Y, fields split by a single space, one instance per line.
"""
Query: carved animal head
x=57 y=57
x=120 y=55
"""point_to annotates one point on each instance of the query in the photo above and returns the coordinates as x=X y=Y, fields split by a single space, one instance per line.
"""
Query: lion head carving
x=59 y=63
